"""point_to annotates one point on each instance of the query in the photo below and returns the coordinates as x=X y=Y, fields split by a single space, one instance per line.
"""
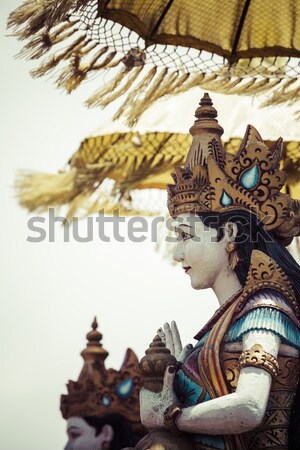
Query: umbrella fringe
x=161 y=87
x=76 y=72
x=140 y=87
x=33 y=15
x=41 y=43
x=114 y=89
x=188 y=83
x=140 y=104
x=55 y=59
x=282 y=95
x=36 y=191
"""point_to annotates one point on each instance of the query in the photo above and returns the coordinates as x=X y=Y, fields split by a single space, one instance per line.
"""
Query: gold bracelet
x=170 y=416
x=256 y=356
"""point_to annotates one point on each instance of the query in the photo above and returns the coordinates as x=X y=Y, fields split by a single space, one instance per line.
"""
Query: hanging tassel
x=35 y=15
x=31 y=14
x=60 y=9
x=106 y=63
x=110 y=92
x=38 y=191
x=180 y=82
x=243 y=87
x=141 y=104
x=192 y=81
x=164 y=87
x=52 y=62
x=136 y=91
x=282 y=95
x=73 y=75
x=228 y=84
x=43 y=42
x=76 y=204
x=261 y=85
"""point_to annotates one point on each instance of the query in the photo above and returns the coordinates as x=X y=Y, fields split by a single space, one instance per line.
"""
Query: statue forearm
x=242 y=410
x=234 y=413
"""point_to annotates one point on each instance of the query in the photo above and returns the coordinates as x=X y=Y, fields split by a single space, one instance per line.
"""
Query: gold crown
x=216 y=181
x=99 y=391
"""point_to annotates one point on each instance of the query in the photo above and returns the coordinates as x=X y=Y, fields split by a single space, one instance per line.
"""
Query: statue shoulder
x=267 y=284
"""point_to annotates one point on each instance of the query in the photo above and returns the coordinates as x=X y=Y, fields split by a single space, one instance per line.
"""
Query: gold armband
x=258 y=357
x=170 y=415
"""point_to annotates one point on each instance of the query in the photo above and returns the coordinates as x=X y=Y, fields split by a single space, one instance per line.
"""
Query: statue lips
x=186 y=268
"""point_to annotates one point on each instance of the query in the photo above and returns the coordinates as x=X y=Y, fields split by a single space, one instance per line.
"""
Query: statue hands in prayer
x=153 y=404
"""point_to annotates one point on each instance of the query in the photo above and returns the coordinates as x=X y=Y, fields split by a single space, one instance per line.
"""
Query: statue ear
x=230 y=231
x=106 y=436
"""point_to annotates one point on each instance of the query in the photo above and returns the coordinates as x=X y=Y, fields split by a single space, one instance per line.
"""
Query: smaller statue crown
x=100 y=391
x=215 y=181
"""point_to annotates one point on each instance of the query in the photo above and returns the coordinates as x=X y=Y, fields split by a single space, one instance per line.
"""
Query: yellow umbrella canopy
x=107 y=171
x=157 y=48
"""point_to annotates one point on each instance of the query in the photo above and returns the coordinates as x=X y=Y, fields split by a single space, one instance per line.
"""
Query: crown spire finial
x=205 y=130
x=94 y=336
x=206 y=108
x=94 y=355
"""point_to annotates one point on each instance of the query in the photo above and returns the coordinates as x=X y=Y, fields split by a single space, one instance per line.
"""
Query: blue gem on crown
x=250 y=178
x=226 y=200
x=105 y=401
x=124 y=389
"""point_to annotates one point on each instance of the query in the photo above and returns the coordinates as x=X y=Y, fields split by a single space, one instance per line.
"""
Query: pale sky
x=51 y=291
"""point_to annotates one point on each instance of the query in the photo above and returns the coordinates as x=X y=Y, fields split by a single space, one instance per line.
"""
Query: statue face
x=83 y=437
x=203 y=258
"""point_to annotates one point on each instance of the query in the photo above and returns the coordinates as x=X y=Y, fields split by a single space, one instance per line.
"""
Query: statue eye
x=74 y=435
x=183 y=236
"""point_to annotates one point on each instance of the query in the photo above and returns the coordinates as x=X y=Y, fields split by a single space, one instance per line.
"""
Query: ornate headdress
x=99 y=391
x=215 y=181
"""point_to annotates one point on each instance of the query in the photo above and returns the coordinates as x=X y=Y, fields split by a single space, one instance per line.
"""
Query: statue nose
x=178 y=252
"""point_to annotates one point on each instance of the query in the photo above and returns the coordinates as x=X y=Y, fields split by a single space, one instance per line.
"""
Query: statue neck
x=226 y=285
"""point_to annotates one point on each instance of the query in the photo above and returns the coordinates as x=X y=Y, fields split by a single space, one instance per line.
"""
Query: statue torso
x=266 y=309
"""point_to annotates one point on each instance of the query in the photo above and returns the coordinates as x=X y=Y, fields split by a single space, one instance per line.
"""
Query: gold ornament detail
x=170 y=416
x=265 y=273
x=153 y=365
x=256 y=356
x=215 y=181
x=234 y=258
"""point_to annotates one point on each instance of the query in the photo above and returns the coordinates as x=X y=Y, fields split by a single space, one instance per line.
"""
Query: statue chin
x=164 y=440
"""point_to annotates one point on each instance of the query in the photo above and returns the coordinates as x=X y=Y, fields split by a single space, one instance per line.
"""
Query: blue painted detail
x=105 y=401
x=187 y=390
x=206 y=397
x=213 y=442
x=202 y=341
x=268 y=319
x=250 y=178
x=124 y=388
x=226 y=200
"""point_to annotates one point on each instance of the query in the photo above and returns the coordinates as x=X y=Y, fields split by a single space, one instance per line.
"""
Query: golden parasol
x=158 y=48
x=108 y=171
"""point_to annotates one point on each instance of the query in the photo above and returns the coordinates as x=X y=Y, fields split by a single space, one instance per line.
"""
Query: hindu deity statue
x=102 y=407
x=236 y=388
